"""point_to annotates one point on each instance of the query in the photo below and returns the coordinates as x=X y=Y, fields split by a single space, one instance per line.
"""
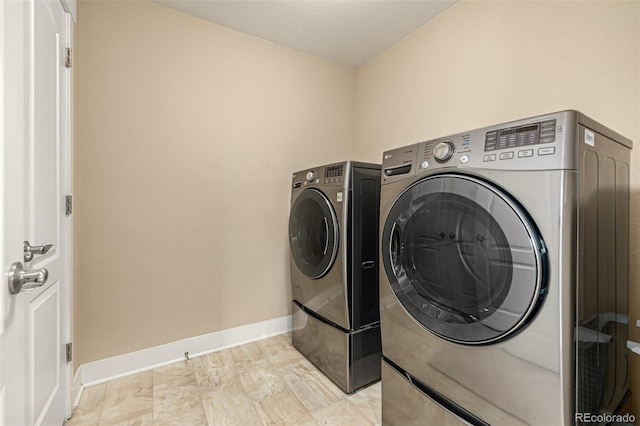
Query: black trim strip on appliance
x=333 y=324
x=399 y=170
x=438 y=398
x=320 y=318
x=618 y=408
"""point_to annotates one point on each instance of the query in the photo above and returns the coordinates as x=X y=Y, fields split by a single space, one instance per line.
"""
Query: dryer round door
x=313 y=233
x=464 y=259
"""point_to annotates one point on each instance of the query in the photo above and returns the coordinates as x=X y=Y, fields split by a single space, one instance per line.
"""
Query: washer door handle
x=326 y=236
x=395 y=247
x=368 y=264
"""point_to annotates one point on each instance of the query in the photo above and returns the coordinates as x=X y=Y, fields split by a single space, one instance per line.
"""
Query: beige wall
x=186 y=137
x=482 y=63
x=187 y=132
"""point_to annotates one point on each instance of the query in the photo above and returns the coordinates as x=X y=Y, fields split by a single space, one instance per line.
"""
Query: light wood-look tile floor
x=267 y=382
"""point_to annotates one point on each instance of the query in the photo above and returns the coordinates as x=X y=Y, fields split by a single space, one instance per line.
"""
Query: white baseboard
x=94 y=373
x=76 y=388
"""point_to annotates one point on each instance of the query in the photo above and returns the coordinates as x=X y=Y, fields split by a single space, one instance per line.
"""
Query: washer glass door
x=313 y=233
x=463 y=259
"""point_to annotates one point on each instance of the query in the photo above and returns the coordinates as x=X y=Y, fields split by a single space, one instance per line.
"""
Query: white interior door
x=35 y=114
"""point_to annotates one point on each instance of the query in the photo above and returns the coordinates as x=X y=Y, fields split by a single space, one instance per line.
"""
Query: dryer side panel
x=362 y=265
x=603 y=272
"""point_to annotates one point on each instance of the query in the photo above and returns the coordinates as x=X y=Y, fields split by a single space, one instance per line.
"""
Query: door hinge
x=67 y=60
x=69 y=352
x=68 y=205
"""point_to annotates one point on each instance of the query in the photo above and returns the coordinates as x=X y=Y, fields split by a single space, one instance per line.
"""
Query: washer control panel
x=523 y=144
x=521 y=141
x=450 y=151
x=543 y=142
x=443 y=151
x=333 y=175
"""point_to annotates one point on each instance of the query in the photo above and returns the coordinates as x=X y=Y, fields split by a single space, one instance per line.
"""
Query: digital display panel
x=528 y=134
x=516 y=130
x=334 y=171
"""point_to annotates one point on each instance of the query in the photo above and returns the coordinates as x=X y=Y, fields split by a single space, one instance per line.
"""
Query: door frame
x=67 y=165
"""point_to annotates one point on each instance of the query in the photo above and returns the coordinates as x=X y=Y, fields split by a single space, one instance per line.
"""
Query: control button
x=521 y=139
x=310 y=176
x=317 y=180
x=547 y=139
x=491 y=135
x=506 y=155
x=424 y=165
x=443 y=151
x=502 y=142
x=550 y=124
x=490 y=157
x=464 y=159
x=547 y=151
x=525 y=153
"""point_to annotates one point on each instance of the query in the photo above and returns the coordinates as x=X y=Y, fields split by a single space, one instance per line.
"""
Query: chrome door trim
x=336 y=234
x=534 y=236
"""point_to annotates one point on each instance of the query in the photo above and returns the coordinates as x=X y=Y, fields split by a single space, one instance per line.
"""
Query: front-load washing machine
x=505 y=272
x=333 y=238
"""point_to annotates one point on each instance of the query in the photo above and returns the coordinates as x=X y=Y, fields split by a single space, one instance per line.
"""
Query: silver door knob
x=23 y=280
x=30 y=250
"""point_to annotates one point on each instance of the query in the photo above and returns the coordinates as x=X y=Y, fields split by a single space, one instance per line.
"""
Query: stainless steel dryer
x=505 y=273
x=333 y=237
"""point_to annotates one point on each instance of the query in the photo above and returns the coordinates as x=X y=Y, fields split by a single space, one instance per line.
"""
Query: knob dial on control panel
x=311 y=176
x=443 y=151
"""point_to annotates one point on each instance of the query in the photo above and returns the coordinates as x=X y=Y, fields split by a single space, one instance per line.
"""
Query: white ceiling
x=343 y=31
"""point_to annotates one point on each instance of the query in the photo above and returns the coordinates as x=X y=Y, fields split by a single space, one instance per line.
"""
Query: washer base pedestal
x=350 y=359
